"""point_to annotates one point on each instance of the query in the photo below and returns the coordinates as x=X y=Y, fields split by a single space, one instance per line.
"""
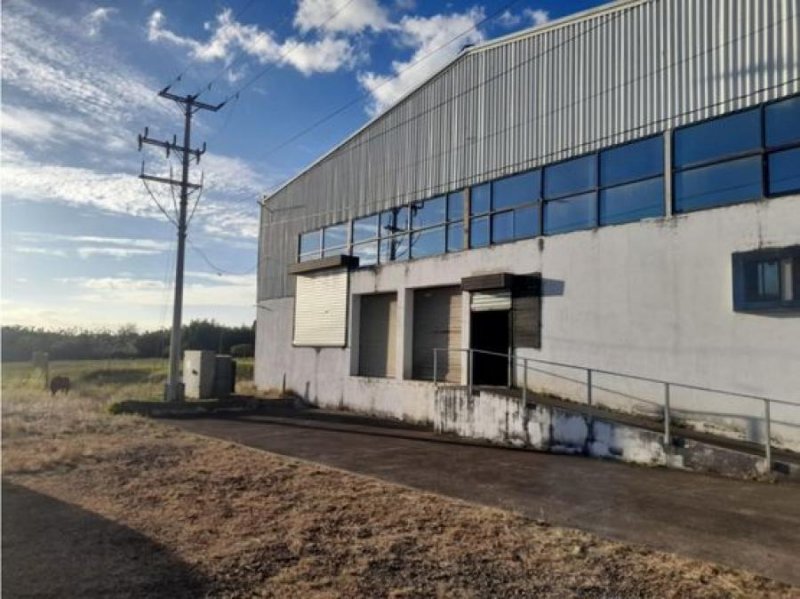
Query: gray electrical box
x=207 y=375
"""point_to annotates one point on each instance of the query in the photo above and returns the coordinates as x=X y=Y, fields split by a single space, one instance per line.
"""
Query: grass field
x=120 y=506
x=106 y=380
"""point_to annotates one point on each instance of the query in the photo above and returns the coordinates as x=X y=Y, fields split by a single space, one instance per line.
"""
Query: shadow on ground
x=54 y=549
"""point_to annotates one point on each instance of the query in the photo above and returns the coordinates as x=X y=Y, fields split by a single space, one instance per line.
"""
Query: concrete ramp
x=503 y=417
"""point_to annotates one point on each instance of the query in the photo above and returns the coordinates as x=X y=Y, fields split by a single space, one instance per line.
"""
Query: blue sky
x=83 y=244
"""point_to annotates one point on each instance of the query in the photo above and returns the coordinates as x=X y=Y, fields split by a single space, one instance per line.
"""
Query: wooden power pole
x=189 y=105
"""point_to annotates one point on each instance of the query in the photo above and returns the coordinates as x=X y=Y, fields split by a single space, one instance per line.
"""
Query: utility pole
x=189 y=105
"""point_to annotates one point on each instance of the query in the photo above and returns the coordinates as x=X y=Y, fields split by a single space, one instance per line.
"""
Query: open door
x=490 y=331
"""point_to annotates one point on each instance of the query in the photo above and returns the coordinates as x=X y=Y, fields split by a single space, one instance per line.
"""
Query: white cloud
x=229 y=36
x=42 y=56
x=536 y=16
x=119 y=253
x=509 y=19
x=405 y=4
x=340 y=16
x=22 y=249
x=45 y=129
x=322 y=56
x=227 y=209
x=435 y=40
x=222 y=290
x=95 y=20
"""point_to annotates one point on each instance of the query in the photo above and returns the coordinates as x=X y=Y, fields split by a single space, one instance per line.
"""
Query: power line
x=285 y=54
x=359 y=98
x=218 y=269
x=157 y=203
x=236 y=60
x=190 y=106
x=537 y=118
x=237 y=15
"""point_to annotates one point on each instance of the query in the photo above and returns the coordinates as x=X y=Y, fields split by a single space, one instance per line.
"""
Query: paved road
x=744 y=524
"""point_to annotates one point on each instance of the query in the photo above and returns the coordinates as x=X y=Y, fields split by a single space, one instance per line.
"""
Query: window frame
x=602 y=187
x=463 y=227
x=495 y=211
x=763 y=152
x=742 y=261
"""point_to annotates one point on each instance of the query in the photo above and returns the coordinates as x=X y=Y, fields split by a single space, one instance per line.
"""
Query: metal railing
x=668 y=386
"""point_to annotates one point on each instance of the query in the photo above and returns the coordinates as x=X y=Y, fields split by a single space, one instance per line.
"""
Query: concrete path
x=743 y=524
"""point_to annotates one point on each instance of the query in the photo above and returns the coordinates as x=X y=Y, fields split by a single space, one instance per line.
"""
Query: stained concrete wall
x=652 y=299
x=509 y=421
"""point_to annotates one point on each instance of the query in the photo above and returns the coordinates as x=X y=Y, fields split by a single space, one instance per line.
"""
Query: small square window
x=394 y=221
x=455 y=206
x=479 y=232
x=502 y=227
x=480 y=199
x=766 y=279
x=365 y=228
x=455 y=237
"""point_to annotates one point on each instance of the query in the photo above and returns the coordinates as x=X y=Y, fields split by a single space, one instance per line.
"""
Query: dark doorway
x=490 y=332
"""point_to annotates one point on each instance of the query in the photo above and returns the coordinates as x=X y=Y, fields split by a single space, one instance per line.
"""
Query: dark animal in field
x=59 y=383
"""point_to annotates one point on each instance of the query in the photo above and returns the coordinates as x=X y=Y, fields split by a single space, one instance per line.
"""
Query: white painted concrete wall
x=652 y=299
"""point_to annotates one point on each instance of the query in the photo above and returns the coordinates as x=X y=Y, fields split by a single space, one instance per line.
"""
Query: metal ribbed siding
x=623 y=72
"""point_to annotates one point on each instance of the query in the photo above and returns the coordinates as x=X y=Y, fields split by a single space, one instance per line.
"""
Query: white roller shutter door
x=483 y=301
x=320 y=309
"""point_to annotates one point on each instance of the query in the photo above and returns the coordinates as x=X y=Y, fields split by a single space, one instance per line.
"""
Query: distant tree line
x=19 y=343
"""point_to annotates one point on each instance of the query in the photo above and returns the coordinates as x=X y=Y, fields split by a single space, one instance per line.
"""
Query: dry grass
x=251 y=523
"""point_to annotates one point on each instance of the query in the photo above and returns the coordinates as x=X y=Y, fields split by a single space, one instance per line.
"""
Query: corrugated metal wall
x=630 y=70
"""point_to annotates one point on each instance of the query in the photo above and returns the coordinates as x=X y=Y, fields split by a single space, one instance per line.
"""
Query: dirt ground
x=99 y=505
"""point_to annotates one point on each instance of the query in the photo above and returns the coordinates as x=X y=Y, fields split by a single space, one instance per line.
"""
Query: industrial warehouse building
x=614 y=196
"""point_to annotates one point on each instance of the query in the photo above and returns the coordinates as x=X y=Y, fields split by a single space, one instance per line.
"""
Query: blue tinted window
x=633 y=161
x=526 y=222
x=335 y=236
x=394 y=249
x=784 y=171
x=718 y=138
x=502 y=227
x=455 y=237
x=367 y=253
x=571 y=177
x=783 y=122
x=365 y=228
x=427 y=213
x=334 y=251
x=718 y=185
x=428 y=243
x=570 y=214
x=394 y=220
x=479 y=198
x=455 y=206
x=310 y=242
x=516 y=190
x=634 y=201
x=479 y=232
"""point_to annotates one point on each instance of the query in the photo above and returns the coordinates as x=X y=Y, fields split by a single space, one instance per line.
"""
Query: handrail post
x=767 y=436
x=589 y=386
x=667 y=435
x=435 y=366
x=510 y=369
x=524 y=380
x=470 y=363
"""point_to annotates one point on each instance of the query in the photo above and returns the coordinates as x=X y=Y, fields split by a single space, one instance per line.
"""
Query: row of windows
x=739 y=157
